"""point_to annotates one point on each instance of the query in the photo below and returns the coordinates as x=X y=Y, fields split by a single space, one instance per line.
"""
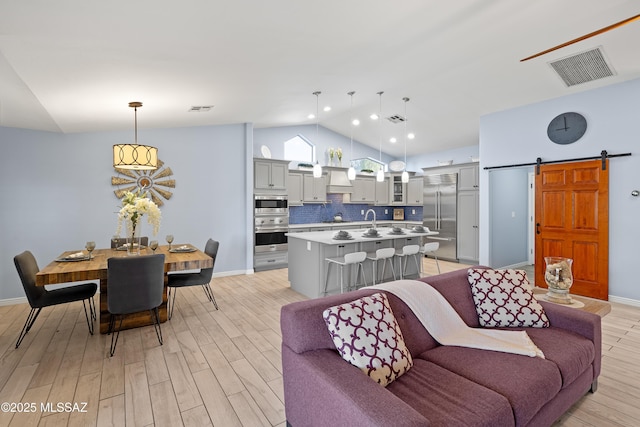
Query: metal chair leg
x=31 y=318
x=114 y=336
x=207 y=290
x=171 y=301
x=326 y=279
x=88 y=316
x=156 y=324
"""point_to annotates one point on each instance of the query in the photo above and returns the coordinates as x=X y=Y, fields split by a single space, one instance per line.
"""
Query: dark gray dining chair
x=203 y=278
x=134 y=284
x=119 y=241
x=39 y=297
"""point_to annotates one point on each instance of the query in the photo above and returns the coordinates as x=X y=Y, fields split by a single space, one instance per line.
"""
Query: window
x=299 y=149
x=368 y=163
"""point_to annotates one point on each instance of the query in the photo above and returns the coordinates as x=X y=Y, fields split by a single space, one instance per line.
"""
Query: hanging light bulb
x=317 y=169
x=405 y=174
x=351 y=173
x=380 y=174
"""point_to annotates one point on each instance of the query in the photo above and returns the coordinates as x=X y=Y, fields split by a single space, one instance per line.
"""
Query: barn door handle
x=537 y=228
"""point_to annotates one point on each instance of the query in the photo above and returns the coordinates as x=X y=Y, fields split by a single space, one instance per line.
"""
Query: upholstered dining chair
x=135 y=284
x=119 y=241
x=203 y=277
x=39 y=297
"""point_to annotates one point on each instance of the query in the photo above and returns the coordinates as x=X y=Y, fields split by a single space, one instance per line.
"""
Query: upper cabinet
x=415 y=191
x=468 y=177
x=314 y=190
x=382 y=192
x=295 y=189
x=364 y=190
x=270 y=174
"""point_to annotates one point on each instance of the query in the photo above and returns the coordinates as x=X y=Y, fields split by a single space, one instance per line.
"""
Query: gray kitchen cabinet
x=415 y=190
x=468 y=178
x=314 y=190
x=364 y=190
x=270 y=174
x=295 y=189
x=468 y=231
x=382 y=192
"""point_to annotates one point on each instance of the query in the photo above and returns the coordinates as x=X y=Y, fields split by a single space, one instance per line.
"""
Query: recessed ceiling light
x=393 y=140
x=411 y=136
x=355 y=122
x=311 y=116
x=327 y=108
x=374 y=116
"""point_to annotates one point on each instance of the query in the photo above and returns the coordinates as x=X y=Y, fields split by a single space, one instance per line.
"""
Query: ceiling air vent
x=200 y=108
x=397 y=118
x=583 y=67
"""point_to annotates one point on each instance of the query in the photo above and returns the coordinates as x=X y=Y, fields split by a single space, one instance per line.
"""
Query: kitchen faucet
x=373 y=223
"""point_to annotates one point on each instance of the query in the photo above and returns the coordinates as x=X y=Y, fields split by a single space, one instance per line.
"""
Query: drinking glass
x=153 y=245
x=169 y=240
x=90 y=246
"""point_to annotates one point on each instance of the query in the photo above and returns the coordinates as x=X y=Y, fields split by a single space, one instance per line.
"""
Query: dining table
x=65 y=269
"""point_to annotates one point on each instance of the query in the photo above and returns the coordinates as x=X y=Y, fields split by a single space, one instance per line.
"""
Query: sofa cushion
x=572 y=353
x=503 y=298
x=366 y=334
x=447 y=399
x=528 y=383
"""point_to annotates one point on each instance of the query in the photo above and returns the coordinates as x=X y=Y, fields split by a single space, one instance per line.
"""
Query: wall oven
x=271 y=224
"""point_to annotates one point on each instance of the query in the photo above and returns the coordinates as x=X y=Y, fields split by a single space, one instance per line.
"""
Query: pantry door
x=572 y=220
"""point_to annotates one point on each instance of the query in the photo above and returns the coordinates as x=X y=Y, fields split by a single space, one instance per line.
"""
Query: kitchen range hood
x=337 y=180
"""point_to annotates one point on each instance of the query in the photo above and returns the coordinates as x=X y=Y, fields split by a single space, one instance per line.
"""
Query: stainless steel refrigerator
x=439 y=212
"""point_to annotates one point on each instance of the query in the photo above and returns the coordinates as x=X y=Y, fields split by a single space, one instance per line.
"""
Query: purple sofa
x=447 y=386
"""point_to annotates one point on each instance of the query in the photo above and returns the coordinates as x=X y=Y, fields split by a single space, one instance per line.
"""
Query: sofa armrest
x=588 y=325
x=321 y=389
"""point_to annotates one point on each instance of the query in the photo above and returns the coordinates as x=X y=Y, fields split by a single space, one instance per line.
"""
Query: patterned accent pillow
x=504 y=298
x=367 y=335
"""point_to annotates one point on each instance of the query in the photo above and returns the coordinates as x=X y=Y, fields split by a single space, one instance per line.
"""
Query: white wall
x=429 y=160
x=57 y=194
x=612 y=112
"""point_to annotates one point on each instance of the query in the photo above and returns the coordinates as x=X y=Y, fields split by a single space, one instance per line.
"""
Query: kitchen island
x=308 y=250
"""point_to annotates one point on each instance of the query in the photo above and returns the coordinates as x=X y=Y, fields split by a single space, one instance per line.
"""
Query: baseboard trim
x=626 y=301
x=13 y=301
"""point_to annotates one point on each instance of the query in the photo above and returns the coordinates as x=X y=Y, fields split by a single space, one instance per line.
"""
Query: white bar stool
x=384 y=254
x=431 y=248
x=347 y=259
x=405 y=252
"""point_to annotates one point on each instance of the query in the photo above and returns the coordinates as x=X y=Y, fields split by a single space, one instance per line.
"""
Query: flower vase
x=559 y=278
x=133 y=241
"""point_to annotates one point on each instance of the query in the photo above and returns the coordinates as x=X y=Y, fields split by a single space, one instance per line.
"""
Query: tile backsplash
x=315 y=213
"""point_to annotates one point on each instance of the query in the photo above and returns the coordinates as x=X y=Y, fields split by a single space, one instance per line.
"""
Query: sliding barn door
x=572 y=220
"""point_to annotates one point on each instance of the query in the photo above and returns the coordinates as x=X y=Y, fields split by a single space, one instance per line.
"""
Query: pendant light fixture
x=380 y=174
x=134 y=156
x=405 y=174
x=317 y=169
x=351 y=173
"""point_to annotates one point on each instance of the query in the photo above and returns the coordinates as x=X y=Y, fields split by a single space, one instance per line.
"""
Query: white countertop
x=354 y=223
x=326 y=237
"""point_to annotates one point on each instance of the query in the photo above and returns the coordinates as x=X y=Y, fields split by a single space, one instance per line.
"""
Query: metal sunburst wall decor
x=129 y=180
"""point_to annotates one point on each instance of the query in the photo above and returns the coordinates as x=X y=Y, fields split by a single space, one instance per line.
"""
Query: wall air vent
x=200 y=108
x=396 y=118
x=583 y=67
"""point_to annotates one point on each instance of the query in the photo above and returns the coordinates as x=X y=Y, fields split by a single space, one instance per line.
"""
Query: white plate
x=396 y=166
x=266 y=153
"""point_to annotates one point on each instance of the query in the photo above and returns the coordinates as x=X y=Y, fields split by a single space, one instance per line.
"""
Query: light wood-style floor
x=221 y=368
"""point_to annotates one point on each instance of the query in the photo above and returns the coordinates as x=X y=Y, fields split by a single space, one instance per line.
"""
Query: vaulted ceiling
x=73 y=65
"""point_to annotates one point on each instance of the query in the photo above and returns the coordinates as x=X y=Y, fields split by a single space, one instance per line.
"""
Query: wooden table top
x=96 y=268
x=595 y=306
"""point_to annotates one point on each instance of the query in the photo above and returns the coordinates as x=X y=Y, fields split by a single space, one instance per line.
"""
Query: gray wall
x=519 y=136
x=56 y=193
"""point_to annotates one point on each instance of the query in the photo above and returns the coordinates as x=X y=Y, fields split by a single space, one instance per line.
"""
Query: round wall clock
x=151 y=181
x=567 y=128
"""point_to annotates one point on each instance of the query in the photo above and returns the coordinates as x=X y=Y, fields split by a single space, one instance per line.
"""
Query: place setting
x=419 y=229
x=371 y=233
x=396 y=231
x=342 y=235
x=178 y=249
x=79 y=256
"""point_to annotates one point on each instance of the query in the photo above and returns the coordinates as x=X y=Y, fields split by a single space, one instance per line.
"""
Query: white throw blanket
x=448 y=328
